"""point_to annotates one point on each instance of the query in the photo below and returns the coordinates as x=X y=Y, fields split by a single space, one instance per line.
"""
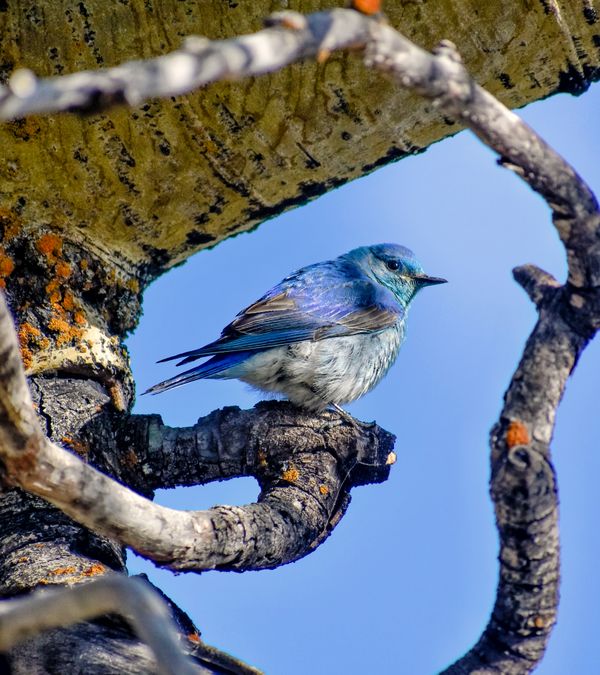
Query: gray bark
x=305 y=464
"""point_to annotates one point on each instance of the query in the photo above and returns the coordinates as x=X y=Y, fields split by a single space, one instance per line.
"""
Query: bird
x=322 y=337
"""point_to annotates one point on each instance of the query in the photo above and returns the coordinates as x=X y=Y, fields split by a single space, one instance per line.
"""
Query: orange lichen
x=50 y=245
x=68 y=301
x=539 y=622
x=63 y=570
x=10 y=222
x=25 y=127
x=79 y=318
x=194 y=637
x=94 y=570
x=7 y=264
x=77 y=446
x=54 y=294
x=517 y=434
x=323 y=489
x=368 y=7
x=131 y=459
x=291 y=474
x=29 y=336
x=23 y=559
x=75 y=574
x=63 y=269
x=65 y=332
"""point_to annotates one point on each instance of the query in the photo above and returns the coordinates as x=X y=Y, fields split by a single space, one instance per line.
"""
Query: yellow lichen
x=133 y=285
x=291 y=474
x=117 y=397
x=323 y=489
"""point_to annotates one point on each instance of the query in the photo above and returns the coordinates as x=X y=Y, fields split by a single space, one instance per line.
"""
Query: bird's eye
x=392 y=265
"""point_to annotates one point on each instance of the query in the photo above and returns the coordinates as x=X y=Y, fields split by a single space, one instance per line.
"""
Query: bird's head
x=394 y=267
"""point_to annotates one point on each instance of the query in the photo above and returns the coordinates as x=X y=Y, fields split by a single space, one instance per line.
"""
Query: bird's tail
x=213 y=368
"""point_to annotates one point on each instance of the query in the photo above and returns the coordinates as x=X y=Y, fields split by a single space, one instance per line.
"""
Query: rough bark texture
x=142 y=189
x=89 y=216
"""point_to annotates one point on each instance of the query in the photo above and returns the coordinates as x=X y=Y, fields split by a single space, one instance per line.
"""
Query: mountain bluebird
x=325 y=335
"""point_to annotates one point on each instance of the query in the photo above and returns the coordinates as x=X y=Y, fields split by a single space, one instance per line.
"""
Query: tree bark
x=142 y=189
x=89 y=216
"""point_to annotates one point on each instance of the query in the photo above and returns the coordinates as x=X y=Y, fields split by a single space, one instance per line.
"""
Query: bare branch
x=523 y=484
x=538 y=285
x=292 y=36
x=261 y=442
x=22 y=618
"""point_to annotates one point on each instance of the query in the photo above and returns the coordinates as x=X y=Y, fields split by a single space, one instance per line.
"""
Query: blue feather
x=326 y=334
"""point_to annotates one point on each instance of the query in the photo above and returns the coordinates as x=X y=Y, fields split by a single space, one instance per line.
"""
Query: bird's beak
x=426 y=280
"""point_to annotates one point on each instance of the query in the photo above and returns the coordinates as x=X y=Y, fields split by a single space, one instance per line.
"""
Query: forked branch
x=523 y=481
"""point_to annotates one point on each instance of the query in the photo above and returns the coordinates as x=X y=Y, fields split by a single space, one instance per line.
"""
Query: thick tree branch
x=261 y=442
x=523 y=483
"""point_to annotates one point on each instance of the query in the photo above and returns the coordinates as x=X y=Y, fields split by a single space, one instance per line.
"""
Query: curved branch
x=523 y=485
x=23 y=618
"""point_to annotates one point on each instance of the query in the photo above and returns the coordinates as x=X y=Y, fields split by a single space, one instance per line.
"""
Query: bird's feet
x=351 y=420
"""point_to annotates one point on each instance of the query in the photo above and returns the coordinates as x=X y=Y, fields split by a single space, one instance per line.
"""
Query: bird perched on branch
x=325 y=335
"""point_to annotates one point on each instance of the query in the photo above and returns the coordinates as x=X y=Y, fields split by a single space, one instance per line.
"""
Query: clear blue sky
x=406 y=582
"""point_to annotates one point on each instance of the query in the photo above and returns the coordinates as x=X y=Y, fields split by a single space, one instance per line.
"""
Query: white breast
x=315 y=374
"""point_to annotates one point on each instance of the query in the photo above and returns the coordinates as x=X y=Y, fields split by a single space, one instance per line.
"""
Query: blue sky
x=407 y=580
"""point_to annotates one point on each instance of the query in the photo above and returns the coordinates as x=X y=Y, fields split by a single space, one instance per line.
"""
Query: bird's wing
x=306 y=307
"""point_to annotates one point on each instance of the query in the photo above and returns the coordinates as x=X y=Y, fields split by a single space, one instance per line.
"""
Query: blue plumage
x=324 y=335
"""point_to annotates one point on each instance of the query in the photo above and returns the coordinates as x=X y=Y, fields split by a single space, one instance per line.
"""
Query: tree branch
x=23 y=618
x=262 y=442
x=291 y=37
x=523 y=485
